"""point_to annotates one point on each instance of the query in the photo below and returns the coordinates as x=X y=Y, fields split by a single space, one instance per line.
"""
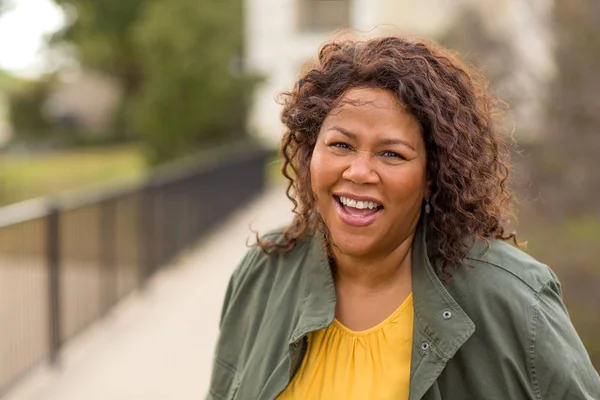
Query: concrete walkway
x=158 y=344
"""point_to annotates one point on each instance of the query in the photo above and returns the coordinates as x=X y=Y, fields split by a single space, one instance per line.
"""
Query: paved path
x=158 y=344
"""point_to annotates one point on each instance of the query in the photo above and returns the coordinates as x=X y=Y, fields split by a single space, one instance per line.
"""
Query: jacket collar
x=440 y=327
x=437 y=314
x=317 y=307
x=440 y=324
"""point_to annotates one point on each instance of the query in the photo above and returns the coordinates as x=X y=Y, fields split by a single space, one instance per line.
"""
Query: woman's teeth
x=358 y=204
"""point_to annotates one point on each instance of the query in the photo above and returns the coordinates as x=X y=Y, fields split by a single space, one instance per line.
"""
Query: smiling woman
x=371 y=152
x=395 y=279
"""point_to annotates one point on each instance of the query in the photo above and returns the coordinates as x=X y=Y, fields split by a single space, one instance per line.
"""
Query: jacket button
x=447 y=314
x=424 y=346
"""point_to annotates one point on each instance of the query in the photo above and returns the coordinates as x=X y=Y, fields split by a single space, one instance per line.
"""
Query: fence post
x=53 y=262
x=146 y=234
x=109 y=294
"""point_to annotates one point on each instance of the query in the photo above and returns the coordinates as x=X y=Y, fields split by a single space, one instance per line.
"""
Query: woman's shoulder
x=516 y=304
x=499 y=278
x=505 y=265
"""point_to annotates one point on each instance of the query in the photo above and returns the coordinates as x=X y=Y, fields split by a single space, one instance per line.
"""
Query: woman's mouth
x=357 y=213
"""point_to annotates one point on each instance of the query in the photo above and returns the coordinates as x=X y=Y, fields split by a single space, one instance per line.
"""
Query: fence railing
x=65 y=261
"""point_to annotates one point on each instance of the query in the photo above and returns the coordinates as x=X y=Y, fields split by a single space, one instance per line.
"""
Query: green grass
x=28 y=176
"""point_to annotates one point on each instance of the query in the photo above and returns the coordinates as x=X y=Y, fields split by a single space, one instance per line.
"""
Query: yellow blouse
x=344 y=364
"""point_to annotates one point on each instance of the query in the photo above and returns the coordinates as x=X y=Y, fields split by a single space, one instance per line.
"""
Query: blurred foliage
x=26 y=100
x=565 y=172
x=102 y=34
x=194 y=91
x=177 y=62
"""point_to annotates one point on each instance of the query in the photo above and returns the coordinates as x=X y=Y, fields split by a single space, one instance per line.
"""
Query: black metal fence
x=64 y=262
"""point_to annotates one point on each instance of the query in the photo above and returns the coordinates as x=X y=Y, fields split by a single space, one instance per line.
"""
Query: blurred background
x=119 y=120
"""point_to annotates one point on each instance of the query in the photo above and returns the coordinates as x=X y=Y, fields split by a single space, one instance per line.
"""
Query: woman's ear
x=428 y=188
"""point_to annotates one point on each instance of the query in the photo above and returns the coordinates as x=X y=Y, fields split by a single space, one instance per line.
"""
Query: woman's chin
x=354 y=248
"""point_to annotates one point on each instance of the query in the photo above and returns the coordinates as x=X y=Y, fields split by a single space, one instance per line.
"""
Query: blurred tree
x=566 y=174
x=26 y=100
x=102 y=33
x=194 y=91
x=178 y=63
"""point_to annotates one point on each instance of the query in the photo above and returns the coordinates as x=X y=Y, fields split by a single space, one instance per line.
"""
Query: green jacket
x=499 y=330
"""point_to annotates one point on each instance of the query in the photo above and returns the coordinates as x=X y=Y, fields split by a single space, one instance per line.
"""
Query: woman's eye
x=340 y=145
x=391 y=154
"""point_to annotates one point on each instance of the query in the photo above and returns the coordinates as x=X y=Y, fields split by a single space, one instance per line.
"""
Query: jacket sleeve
x=224 y=369
x=231 y=287
x=560 y=367
x=248 y=262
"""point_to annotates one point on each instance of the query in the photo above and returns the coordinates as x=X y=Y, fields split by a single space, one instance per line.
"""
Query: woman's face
x=368 y=172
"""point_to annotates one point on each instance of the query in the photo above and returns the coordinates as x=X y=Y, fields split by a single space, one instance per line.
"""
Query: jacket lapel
x=317 y=308
x=441 y=326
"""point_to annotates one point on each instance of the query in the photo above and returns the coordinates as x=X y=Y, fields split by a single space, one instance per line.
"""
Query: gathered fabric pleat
x=370 y=364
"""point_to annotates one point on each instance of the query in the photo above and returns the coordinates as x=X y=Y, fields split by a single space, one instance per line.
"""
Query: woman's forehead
x=373 y=110
x=374 y=97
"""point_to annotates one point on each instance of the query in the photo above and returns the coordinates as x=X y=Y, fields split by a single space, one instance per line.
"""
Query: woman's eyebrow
x=390 y=141
x=384 y=141
x=343 y=131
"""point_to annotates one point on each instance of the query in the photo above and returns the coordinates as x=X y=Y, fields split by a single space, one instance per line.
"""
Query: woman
x=394 y=280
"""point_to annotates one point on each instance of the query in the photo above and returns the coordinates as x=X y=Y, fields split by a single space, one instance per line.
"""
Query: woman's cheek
x=320 y=167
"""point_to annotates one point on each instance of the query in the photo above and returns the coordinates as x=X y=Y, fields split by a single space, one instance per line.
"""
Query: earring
x=427 y=206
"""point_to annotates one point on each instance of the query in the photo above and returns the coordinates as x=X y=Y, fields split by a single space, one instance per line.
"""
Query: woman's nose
x=361 y=169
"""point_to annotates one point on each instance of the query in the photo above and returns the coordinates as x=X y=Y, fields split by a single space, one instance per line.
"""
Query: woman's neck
x=376 y=272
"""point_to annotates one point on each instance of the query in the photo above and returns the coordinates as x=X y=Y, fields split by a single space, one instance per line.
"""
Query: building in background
x=282 y=35
x=86 y=100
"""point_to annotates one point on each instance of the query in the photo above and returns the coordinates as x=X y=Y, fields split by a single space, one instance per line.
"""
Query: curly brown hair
x=467 y=159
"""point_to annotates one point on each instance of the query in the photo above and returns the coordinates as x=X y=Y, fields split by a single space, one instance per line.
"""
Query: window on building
x=323 y=15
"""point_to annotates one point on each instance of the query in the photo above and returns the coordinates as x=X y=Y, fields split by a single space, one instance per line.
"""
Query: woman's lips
x=360 y=218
